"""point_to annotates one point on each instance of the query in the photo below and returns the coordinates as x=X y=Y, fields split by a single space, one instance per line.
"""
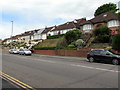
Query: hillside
x=47 y=43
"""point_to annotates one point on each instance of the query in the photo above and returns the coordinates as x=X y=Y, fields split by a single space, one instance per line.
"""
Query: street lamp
x=12 y=29
x=11 y=34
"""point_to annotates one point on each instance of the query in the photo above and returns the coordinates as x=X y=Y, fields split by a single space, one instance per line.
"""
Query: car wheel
x=115 y=62
x=91 y=59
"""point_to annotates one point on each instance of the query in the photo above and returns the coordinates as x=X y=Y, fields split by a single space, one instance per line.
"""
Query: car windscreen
x=26 y=50
x=113 y=52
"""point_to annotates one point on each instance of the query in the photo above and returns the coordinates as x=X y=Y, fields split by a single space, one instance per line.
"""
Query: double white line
x=16 y=82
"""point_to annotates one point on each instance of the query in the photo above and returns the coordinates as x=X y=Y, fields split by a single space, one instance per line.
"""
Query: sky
x=35 y=14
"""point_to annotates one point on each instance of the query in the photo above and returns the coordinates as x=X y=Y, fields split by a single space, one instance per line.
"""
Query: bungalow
x=46 y=32
x=37 y=34
x=63 y=28
x=109 y=19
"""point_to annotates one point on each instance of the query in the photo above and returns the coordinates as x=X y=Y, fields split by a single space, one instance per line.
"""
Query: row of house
x=85 y=26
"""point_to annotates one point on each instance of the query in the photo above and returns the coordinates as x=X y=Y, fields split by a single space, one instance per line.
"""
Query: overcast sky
x=35 y=14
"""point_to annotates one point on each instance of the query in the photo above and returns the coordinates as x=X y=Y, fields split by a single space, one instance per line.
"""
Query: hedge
x=55 y=36
x=45 y=48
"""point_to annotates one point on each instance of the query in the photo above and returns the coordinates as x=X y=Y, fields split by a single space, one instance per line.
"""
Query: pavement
x=44 y=71
x=7 y=85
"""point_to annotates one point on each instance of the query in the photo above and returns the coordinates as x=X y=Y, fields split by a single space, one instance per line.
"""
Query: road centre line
x=94 y=68
x=17 y=82
x=46 y=61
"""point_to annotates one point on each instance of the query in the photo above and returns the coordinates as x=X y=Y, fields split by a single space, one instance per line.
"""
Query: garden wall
x=74 y=53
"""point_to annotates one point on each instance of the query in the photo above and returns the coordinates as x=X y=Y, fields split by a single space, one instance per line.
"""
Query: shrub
x=73 y=35
x=102 y=34
x=55 y=36
x=62 y=43
x=116 y=42
x=101 y=31
x=79 y=43
x=102 y=39
x=71 y=47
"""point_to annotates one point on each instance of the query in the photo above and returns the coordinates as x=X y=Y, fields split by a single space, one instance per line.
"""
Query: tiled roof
x=103 y=18
x=68 y=25
x=80 y=21
x=47 y=29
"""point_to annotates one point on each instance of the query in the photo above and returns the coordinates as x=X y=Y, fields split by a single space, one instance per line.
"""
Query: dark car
x=103 y=55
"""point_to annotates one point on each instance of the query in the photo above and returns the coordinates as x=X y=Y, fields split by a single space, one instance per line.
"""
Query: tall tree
x=110 y=7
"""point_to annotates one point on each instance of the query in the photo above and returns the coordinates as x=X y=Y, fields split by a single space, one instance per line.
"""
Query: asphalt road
x=42 y=71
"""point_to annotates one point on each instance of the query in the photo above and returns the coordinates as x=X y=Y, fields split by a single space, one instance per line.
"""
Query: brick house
x=109 y=19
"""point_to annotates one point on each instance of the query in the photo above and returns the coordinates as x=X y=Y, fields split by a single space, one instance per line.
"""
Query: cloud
x=31 y=14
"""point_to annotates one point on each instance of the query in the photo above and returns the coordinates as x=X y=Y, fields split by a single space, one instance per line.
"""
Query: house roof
x=47 y=29
x=80 y=21
x=68 y=25
x=105 y=17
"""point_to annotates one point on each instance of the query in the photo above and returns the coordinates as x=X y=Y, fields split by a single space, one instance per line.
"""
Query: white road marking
x=93 y=68
x=45 y=61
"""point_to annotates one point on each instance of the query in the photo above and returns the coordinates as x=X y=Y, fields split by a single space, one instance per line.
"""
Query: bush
x=72 y=36
x=101 y=39
x=45 y=48
x=79 y=43
x=102 y=34
x=71 y=46
x=101 y=31
x=62 y=43
x=116 y=42
x=55 y=36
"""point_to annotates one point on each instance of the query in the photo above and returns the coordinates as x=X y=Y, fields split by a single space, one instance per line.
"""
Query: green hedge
x=45 y=48
x=55 y=36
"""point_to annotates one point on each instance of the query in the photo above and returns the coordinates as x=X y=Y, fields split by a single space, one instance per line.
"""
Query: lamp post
x=12 y=29
x=11 y=34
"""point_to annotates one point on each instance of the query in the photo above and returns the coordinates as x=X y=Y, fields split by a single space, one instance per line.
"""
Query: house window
x=87 y=27
x=55 y=33
x=113 y=23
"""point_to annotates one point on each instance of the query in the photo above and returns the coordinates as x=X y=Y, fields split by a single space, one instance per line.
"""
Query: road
x=40 y=71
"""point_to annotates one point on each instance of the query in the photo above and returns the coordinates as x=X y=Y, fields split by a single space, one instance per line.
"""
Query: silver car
x=13 y=51
x=25 y=52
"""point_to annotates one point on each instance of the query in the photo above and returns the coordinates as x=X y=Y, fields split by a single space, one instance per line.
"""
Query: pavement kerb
x=62 y=57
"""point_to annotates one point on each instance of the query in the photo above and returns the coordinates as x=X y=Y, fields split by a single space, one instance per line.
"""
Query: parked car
x=13 y=51
x=32 y=50
x=103 y=55
x=25 y=52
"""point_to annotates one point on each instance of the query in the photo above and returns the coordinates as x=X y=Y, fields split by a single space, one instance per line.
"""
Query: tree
x=110 y=7
x=102 y=34
x=116 y=42
x=72 y=35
